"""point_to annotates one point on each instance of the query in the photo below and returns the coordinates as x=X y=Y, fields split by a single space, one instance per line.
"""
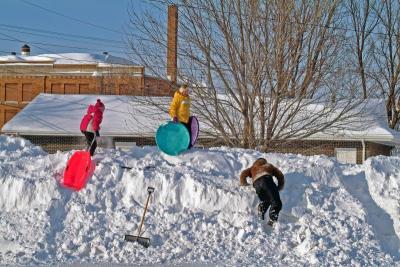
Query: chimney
x=105 y=53
x=172 y=43
x=25 y=50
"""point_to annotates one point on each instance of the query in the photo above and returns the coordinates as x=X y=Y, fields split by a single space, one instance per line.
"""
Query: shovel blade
x=144 y=241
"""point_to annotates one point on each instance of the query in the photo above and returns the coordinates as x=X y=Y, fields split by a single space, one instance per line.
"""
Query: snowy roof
x=51 y=114
x=66 y=59
x=368 y=123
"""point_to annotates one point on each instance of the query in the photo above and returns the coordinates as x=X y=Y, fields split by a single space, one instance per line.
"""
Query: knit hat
x=99 y=105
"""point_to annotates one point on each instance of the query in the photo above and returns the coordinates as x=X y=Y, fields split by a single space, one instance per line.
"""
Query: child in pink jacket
x=90 y=124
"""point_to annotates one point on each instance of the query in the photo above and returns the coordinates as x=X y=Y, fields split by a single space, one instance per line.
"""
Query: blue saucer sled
x=172 y=138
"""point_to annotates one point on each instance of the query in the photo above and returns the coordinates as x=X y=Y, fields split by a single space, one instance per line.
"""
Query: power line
x=77 y=36
x=63 y=56
x=166 y=3
x=62 y=36
x=58 y=37
x=69 y=17
x=73 y=47
x=78 y=60
x=157 y=67
x=11 y=38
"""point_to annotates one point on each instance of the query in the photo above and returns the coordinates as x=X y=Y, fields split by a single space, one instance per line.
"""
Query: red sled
x=80 y=168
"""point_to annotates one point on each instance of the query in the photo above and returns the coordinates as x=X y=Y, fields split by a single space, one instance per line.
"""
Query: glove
x=97 y=134
x=175 y=120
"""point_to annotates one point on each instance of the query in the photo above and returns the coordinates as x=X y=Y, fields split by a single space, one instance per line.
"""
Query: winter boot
x=271 y=223
x=261 y=211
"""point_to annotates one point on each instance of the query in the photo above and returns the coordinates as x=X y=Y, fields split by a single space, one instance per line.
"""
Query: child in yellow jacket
x=180 y=107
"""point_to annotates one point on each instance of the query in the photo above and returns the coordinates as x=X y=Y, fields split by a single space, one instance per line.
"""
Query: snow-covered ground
x=333 y=214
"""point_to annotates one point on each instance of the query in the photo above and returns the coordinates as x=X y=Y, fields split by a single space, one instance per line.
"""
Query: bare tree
x=260 y=71
x=364 y=19
x=387 y=59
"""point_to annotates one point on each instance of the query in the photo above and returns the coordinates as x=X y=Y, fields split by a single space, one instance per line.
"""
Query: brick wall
x=374 y=149
x=52 y=144
x=155 y=86
x=310 y=147
x=328 y=148
x=63 y=143
x=140 y=141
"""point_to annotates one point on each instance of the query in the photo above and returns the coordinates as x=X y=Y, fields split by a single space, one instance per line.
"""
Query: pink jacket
x=92 y=120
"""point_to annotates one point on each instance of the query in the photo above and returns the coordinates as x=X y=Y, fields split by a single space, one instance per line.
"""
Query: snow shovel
x=144 y=241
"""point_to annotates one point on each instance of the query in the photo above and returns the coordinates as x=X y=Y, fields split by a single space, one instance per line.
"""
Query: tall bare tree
x=261 y=71
x=364 y=19
x=387 y=59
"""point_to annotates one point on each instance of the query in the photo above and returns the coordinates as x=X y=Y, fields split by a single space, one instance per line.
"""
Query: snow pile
x=383 y=177
x=333 y=214
x=18 y=190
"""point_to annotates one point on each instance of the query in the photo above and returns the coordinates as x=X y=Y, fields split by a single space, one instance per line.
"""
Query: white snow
x=66 y=59
x=333 y=214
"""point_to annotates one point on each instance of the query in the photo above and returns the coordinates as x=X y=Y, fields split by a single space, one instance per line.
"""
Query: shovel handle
x=149 y=190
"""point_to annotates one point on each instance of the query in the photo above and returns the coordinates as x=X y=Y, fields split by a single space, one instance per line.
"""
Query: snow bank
x=333 y=214
x=20 y=189
x=383 y=177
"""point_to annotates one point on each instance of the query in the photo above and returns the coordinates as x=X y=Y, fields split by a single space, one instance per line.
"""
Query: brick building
x=22 y=77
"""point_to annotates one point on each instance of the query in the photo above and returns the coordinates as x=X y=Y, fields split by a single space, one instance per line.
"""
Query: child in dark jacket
x=261 y=173
x=90 y=124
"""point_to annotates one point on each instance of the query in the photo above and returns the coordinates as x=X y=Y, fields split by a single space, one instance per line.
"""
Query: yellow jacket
x=180 y=107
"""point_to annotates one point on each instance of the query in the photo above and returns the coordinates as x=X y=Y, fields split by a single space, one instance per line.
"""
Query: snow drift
x=333 y=214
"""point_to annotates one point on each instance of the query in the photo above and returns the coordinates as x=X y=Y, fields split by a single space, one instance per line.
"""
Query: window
x=12 y=92
x=346 y=155
x=71 y=88
x=56 y=88
x=27 y=92
x=125 y=145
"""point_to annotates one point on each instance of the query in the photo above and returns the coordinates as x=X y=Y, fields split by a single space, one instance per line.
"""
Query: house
x=52 y=121
x=363 y=132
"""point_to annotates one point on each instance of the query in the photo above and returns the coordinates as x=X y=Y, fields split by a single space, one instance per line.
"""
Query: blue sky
x=100 y=25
